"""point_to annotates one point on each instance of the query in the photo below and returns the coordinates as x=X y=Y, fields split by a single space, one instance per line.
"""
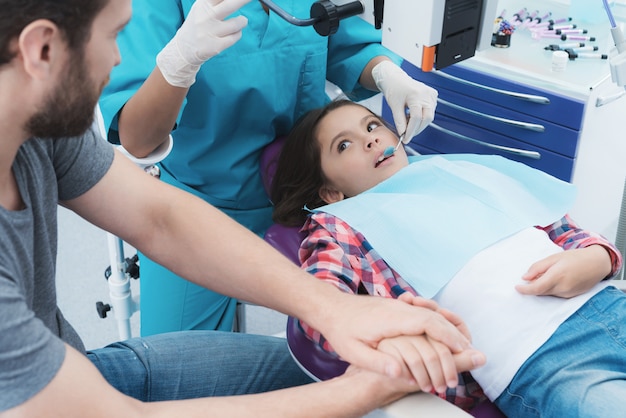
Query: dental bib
x=434 y=215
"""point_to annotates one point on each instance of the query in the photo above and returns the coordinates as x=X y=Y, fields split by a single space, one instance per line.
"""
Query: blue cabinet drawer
x=432 y=140
x=548 y=106
x=494 y=118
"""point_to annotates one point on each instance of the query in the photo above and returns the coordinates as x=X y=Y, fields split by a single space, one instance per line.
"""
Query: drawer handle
x=524 y=125
x=516 y=151
x=528 y=97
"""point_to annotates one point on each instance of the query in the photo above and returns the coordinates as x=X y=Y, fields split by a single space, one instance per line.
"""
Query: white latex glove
x=401 y=92
x=203 y=34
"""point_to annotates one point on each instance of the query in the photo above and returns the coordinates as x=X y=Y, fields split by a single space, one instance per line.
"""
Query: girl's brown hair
x=299 y=176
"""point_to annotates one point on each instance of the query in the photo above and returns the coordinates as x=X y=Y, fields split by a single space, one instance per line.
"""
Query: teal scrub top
x=243 y=98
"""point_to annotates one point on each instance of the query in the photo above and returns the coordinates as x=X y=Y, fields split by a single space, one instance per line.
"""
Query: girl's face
x=352 y=141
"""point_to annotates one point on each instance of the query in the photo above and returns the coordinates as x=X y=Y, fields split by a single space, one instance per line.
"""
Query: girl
x=462 y=229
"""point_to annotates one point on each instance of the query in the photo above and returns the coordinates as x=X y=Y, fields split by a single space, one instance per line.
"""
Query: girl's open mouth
x=381 y=159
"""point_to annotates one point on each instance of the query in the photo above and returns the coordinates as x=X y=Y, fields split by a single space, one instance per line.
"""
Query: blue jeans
x=580 y=371
x=193 y=364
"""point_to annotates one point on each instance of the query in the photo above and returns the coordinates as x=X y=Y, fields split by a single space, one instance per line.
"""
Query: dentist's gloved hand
x=402 y=91
x=203 y=34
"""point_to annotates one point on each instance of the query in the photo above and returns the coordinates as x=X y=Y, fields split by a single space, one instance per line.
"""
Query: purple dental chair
x=317 y=363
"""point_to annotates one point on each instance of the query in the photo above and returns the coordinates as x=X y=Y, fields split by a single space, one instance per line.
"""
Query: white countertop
x=526 y=60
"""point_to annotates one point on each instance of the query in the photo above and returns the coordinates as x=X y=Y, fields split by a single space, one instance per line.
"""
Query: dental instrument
x=390 y=150
x=564 y=46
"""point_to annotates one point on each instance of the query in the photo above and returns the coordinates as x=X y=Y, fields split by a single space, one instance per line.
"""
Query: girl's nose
x=370 y=142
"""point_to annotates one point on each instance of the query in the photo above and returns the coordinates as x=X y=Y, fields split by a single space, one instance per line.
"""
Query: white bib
x=429 y=219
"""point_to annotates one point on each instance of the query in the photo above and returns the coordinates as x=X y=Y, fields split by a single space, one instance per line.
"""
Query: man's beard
x=69 y=110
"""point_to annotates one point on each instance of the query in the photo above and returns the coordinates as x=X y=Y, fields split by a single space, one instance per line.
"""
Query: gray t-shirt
x=32 y=328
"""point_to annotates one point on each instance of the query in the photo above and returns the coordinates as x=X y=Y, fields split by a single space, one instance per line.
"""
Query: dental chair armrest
x=419 y=404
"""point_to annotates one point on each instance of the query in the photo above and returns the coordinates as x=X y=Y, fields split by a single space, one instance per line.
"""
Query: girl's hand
x=567 y=274
x=430 y=363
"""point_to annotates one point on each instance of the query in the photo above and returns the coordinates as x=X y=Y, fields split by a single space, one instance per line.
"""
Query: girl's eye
x=372 y=125
x=342 y=146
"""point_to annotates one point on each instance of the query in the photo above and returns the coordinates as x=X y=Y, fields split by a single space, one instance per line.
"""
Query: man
x=55 y=57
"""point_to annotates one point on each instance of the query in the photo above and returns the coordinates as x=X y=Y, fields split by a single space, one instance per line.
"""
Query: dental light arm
x=325 y=15
x=430 y=34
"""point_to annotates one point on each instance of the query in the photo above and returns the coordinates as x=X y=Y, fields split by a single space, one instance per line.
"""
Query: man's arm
x=200 y=243
x=78 y=390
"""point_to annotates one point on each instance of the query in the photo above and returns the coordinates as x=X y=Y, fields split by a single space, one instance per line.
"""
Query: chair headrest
x=269 y=159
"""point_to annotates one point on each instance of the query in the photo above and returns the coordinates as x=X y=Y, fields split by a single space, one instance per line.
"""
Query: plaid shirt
x=338 y=254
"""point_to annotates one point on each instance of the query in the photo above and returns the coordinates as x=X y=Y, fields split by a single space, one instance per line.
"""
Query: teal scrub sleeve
x=354 y=44
x=152 y=25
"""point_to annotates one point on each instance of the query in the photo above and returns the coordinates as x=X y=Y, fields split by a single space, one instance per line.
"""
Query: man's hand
x=389 y=389
x=360 y=323
x=431 y=304
x=429 y=362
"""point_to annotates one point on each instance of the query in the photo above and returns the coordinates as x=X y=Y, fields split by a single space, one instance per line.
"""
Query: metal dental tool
x=390 y=150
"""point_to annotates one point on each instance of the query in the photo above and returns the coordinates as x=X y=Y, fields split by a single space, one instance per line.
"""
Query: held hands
x=432 y=361
x=568 y=273
x=203 y=34
x=401 y=91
